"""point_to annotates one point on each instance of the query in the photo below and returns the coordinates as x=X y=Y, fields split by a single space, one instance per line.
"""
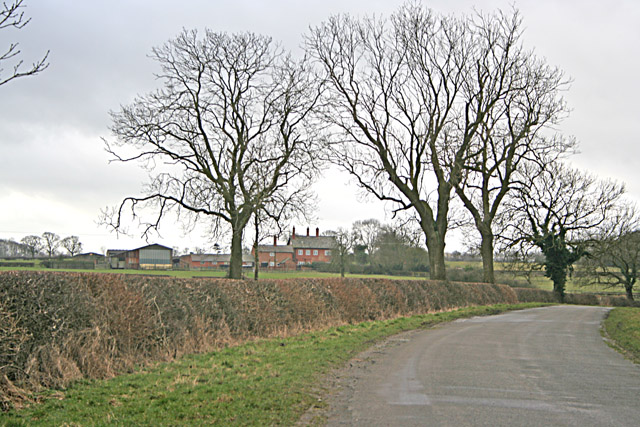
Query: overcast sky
x=54 y=172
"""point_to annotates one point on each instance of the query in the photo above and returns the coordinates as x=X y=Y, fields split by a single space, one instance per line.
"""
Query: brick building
x=299 y=251
x=276 y=256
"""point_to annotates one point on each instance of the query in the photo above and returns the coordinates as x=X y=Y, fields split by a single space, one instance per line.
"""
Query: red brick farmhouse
x=299 y=251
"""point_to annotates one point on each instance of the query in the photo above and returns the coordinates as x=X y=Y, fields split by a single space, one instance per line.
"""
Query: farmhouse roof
x=272 y=248
x=312 y=242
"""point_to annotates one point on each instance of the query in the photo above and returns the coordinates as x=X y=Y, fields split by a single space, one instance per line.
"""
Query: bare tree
x=50 y=243
x=11 y=16
x=411 y=96
x=343 y=244
x=614 y=257
x=233 y=126
x=33 y=243
x=526 y=102
x=72 y=245
x=559 y=211
x=365 y=232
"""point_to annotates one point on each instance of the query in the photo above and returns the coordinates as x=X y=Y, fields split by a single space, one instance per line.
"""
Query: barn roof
x=154 y=246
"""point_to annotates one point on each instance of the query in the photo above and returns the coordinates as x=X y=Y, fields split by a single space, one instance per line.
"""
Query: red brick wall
x=276 y=258
x=310 y=256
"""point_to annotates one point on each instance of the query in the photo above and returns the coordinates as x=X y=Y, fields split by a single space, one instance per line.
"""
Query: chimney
x=317 y=232
x=307 y=231
x=275 y=241
x=293 y=233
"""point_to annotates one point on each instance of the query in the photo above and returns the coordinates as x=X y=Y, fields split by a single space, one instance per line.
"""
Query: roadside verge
x=621 y=330
x=264 y=382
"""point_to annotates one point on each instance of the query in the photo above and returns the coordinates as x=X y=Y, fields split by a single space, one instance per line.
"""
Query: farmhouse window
x=308 y=252
x=315 y=252
x=299 y=251
x=272 y=254
x=327 y=252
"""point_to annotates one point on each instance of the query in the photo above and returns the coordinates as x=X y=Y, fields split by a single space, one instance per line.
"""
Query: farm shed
x=151 y=257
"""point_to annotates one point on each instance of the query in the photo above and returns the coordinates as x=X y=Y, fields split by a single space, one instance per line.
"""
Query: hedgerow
x=57 y=327
x=540 y=295
x=535 y=295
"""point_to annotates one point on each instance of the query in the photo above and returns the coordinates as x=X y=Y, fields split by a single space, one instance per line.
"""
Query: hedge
x=57 y=327
x=539 y=295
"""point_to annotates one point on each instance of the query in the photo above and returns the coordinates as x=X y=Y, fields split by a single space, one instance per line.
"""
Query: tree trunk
x=434 y=231
x=629 y=289
x=235 y=264
x=255 y=249
x=558 y=276
x=486 y=250
x=437 y=269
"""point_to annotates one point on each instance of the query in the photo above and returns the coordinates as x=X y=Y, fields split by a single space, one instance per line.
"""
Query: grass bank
x=622 y=327
x=263 y=382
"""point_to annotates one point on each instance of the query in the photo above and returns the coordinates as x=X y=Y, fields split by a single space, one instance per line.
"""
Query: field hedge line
x=56 y=327
x=539 y=295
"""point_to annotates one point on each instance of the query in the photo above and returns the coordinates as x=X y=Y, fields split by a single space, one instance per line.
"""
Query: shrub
x=582 y=299
x=17 y=264
x=59 y=326
x=75 y=264
x=535 y=295
x=539 y=295
x=618 y=301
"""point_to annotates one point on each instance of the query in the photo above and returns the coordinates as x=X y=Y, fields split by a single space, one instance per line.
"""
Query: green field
x=265 y=382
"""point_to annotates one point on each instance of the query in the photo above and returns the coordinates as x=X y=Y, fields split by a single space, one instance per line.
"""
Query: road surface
x=537 y=367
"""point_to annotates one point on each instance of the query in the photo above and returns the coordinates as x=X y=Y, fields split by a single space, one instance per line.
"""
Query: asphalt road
x=537 y=367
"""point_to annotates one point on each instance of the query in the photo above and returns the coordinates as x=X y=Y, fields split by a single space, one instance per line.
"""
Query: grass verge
x=622 y=327
x=264 y=382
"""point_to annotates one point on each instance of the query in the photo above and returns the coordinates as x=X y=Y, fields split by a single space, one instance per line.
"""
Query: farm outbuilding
x=211 y=261
x=151 y=257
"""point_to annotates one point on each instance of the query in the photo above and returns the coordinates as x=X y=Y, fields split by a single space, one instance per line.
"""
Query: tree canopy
x=12 y=16
x=560 y=211
x=228 y=133
x=425 y=104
